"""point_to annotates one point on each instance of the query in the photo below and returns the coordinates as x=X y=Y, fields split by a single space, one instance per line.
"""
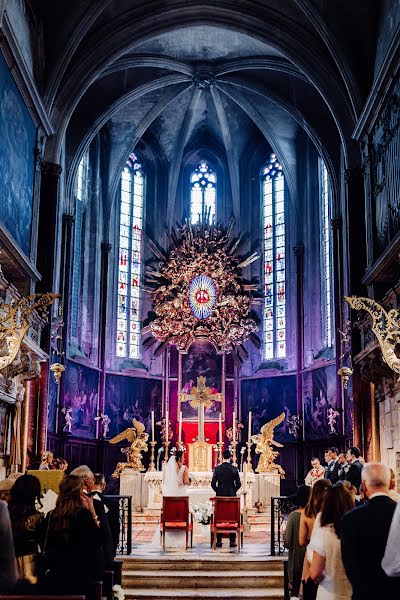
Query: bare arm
x=317 y=567
x=304 y=537
x=185 y=477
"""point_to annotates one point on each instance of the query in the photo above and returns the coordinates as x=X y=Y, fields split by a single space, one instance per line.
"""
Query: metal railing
x=125 y=523
x=281 y=507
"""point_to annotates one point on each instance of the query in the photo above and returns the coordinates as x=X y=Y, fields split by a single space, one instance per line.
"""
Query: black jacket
x=226 y=480
x=354 y=474
x=332 y=472
x=365 y=530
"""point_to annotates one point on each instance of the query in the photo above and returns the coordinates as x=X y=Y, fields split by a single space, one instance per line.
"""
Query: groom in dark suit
x=226 y=482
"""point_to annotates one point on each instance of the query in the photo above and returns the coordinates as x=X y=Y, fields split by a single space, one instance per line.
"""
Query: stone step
x=215 y=579
x=222 y=563
x=203 y=594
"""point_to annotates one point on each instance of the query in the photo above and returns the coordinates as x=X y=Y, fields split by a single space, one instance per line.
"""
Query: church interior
x=199 y=252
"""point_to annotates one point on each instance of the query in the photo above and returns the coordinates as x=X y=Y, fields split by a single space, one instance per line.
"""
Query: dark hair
x=58 y=463
x=226 y=455
x=315 y=458
x=334 y=450
x=316 y=499
x=24 y=494
x=338 y=501
x=99 y=479
x=355 y=451
x=178 y=455
x=302 y=495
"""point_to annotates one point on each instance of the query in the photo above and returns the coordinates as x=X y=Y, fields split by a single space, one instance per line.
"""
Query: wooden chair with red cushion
x=175 y=516
x=226 y=519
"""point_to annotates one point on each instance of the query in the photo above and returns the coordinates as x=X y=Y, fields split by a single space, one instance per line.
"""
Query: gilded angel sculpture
x=138 y=439
x=263 y=442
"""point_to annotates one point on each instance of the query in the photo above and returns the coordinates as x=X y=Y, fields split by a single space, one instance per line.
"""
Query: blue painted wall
x=17 y=143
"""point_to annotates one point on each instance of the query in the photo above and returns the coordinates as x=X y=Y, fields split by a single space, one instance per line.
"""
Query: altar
x=200 y=490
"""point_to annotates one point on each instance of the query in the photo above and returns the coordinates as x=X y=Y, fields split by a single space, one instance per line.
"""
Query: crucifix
x=200 y=397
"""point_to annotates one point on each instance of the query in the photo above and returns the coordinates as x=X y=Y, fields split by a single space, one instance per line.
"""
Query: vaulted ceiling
x=231 y=73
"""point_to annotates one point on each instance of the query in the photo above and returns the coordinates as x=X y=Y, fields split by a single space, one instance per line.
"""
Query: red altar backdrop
x=190 y=430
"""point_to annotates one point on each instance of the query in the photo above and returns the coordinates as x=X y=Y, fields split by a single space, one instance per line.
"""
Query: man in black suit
x=332 y=470
x=353 y=475
x=111 y=509
x=365 y=531
x=226 y=482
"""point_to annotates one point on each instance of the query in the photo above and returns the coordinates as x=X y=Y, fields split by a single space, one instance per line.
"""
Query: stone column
x=337 y=254
x=105 y=258
x=299 y=255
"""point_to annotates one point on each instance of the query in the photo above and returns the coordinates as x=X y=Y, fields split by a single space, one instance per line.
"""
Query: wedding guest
x=354 y=473
x=365 y=531
x=8 y=567
x=46 y=461
x=316 y=472
x=332 y=470
x=310 y=520
x=343 y=466
x=291 y=540
x=393 y=494
x=88 y=479
x=60 y=464
x=111 y=507
x=26 y=523
x=73 y=542
x=326 y=567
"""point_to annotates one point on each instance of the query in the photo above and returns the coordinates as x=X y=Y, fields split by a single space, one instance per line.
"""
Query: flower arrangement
x=118 y=593
x=202 y=513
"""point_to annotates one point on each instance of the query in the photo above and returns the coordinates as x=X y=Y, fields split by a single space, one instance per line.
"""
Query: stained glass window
x=130 y=259
x=81 y=178
x=273 y=195
x=326 y=254
x=203 y=197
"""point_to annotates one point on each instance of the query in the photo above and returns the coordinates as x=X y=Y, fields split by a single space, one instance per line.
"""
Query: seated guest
x=73 y=542
x=26 y=523
x=291 y=540
x=309 y=519
x=354 y=473
x=326 y=567
x=343 y=466
x=365 y=531
x=88 y=479
x=60 y=464
x=393 y=494
x=46 y=461
x=316 y=473
x=111 y=507
x=8 y=567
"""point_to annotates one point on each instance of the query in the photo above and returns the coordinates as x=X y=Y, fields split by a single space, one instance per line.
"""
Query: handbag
x=310 y=589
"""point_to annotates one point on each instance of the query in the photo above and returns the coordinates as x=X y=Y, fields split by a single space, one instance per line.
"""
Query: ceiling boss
x=199 y=292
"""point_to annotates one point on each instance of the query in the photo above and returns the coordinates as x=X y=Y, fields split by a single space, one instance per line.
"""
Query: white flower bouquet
x=118 y=593
x=202 y=513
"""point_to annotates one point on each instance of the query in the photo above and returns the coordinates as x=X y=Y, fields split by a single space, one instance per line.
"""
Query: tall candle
x=220 y=428
x=152 y=425
x=245 y=477
x=180 y=427
x=249 y=426
x=234 y=428
x=166 y=427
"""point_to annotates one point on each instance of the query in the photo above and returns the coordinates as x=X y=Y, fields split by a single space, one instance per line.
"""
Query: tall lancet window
x=130 y=259
x=273 y=196
x=203 y=197
x=326 y=270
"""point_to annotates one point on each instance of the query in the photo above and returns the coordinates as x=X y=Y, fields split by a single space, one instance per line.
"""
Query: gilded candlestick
x=220 y=449
x=249 y=466
x=166 y=451
x=152 y=466
x=234 y=444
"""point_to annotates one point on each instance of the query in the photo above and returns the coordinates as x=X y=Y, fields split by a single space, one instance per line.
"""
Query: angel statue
x=263 y=442
x=68 y=419
x=138 y=439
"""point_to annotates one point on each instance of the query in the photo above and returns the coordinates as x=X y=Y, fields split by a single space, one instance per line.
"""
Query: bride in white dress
x=175 y=480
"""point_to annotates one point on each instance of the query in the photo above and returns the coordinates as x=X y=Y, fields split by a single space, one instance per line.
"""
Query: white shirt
x=391 y=559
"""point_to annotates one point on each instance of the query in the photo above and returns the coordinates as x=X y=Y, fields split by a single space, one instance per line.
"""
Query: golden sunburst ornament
x=198 y=291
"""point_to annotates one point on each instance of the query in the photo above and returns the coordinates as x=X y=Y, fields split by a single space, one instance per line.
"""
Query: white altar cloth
x=199 y=491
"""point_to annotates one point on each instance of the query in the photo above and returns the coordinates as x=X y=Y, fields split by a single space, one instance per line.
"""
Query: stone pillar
x=105 y=258
x=43 y=398
x=357 y=409
x=337 y=246
x=299 y=256
x=356 y=240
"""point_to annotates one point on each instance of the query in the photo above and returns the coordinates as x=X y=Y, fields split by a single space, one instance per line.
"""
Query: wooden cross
x=200 y=397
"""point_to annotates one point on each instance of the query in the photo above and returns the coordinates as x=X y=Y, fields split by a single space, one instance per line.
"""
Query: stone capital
x=50 y=168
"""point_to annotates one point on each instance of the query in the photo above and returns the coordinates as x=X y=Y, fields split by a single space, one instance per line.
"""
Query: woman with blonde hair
x=73 y=542
x=46 y=461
